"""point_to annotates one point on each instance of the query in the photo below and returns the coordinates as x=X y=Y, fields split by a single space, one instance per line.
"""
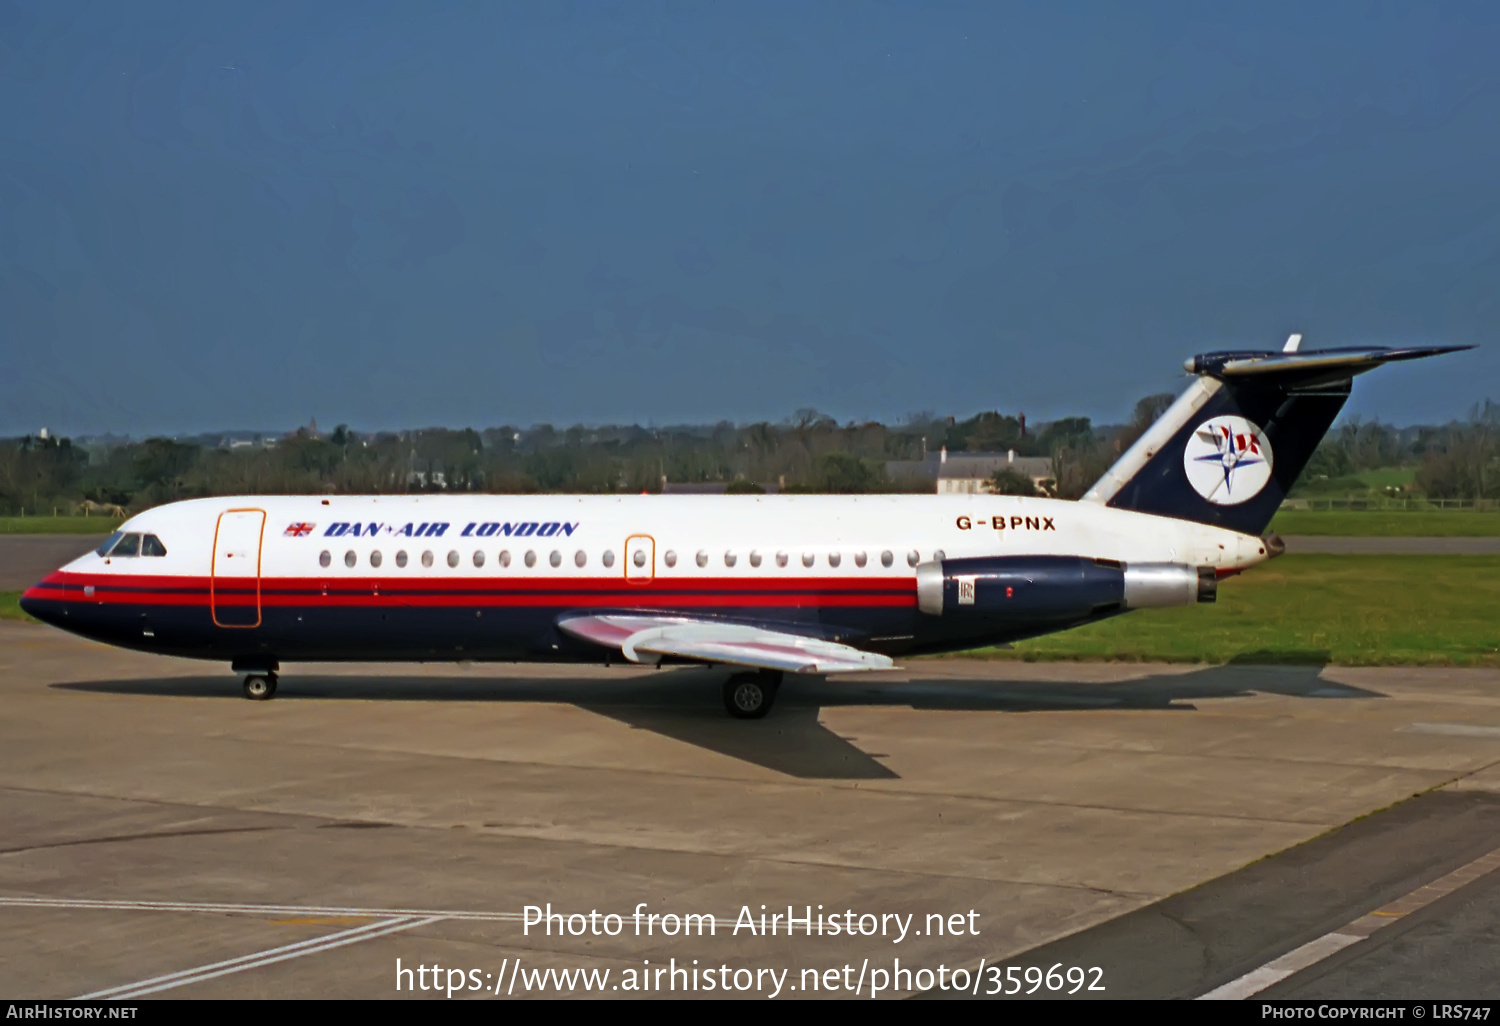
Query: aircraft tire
x=749 y=696
x=260 y=687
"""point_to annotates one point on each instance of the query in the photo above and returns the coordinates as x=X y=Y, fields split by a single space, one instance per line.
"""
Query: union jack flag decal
x=299 y=530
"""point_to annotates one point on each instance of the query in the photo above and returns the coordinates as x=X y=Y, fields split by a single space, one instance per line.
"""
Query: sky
x=221 y=216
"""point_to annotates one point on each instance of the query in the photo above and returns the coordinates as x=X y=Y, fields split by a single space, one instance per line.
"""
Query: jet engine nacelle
x=1056 y=588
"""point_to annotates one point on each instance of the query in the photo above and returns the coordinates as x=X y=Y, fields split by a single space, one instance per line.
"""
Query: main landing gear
x=260 y=687
x=749 y=696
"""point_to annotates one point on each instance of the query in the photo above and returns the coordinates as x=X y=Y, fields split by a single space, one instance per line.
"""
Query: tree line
x=1457 y=460
x=809 y=452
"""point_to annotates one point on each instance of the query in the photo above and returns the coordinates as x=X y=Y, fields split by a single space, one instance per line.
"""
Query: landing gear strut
x=260 y=687
x=749 y=696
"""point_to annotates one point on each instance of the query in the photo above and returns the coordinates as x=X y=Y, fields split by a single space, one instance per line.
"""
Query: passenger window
x=109 y=543
x=531 y=557
x=401 y=558
x=505 y=557
x=128 y=545
x=913 y=557
x=453 y=557
x=754 y=558
x=151 y=546
x=639 y=559
x=556 y=558
x=834 y=559
x=580 y=558
x=350 y=558
x=325 y=558
x=730 y=559
x=702 y=558
x=808 y=559
x=940 y=555
x=670 y=558
x=887 y=558
x=427 y=558
x=859 y=559
x=375 y=558
x=781 y=559
x=609 y=557
x=478 y=558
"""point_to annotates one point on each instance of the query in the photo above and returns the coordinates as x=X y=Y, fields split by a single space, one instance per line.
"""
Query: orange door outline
x=213 y=567
x=648 y=572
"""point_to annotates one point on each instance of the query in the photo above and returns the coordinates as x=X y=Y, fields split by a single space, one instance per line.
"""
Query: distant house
x=422 y=479
x=969 y=473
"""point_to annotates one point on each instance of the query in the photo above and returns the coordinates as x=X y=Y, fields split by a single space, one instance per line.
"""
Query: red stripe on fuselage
x=611 y=583
x=162 y=590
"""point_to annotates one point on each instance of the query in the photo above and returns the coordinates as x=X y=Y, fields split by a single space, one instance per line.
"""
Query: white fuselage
x=494 y=576
x=809 y=529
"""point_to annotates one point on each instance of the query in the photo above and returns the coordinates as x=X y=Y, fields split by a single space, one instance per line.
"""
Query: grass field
x=1414 y=524
x=10 y=606
x=1352 y=610
x=57 y=525
x=1370 y=483
x=1389 y=477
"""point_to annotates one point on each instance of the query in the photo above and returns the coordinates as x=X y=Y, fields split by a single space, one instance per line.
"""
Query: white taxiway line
x=295 y=910
x=252 y=961
x=253 y=910
x=1331 y=943
x=1452 y=729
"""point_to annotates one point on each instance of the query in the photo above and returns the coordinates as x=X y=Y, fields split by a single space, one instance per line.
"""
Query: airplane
x=763 y=584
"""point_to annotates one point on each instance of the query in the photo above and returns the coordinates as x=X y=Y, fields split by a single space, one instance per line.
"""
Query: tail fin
x=1230 y=448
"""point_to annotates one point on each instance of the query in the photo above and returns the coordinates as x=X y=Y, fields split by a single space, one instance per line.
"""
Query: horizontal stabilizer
x=647 y=639
x=1294 y=369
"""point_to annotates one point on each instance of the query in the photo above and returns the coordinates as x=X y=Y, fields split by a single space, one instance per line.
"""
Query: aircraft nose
x=31 y=601
x=42 y=600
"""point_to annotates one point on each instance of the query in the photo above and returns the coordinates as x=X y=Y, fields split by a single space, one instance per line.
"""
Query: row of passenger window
x=351 y=558
x=581 y=559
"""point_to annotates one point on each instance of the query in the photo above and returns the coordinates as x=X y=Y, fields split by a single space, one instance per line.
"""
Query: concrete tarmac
x=1376 y=546
x=164 y=837
x=1191 y=943
x=1447 y=951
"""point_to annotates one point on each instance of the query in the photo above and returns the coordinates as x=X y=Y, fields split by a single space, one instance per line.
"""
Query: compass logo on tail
x=1227 y=460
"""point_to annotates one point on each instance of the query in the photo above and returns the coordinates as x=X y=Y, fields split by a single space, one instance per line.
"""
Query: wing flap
x=646 y=639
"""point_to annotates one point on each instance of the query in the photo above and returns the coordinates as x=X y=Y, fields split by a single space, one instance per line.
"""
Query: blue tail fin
x=1230 y=448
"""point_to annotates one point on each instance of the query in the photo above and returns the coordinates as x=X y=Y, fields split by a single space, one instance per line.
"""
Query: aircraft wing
x=646 y=639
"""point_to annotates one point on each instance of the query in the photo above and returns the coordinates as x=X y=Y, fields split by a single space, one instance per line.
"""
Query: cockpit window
x=151 y=546
x=128 y=545
x=109 y=543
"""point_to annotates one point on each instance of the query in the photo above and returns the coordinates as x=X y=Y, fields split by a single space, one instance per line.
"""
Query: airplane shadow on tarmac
x=683 y=703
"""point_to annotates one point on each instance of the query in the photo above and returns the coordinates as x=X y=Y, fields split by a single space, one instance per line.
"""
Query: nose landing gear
x=749 y=696
x=260 y=687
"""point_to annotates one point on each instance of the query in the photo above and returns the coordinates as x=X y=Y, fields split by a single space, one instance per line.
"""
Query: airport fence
x=1389 y=504
x=112 y=513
